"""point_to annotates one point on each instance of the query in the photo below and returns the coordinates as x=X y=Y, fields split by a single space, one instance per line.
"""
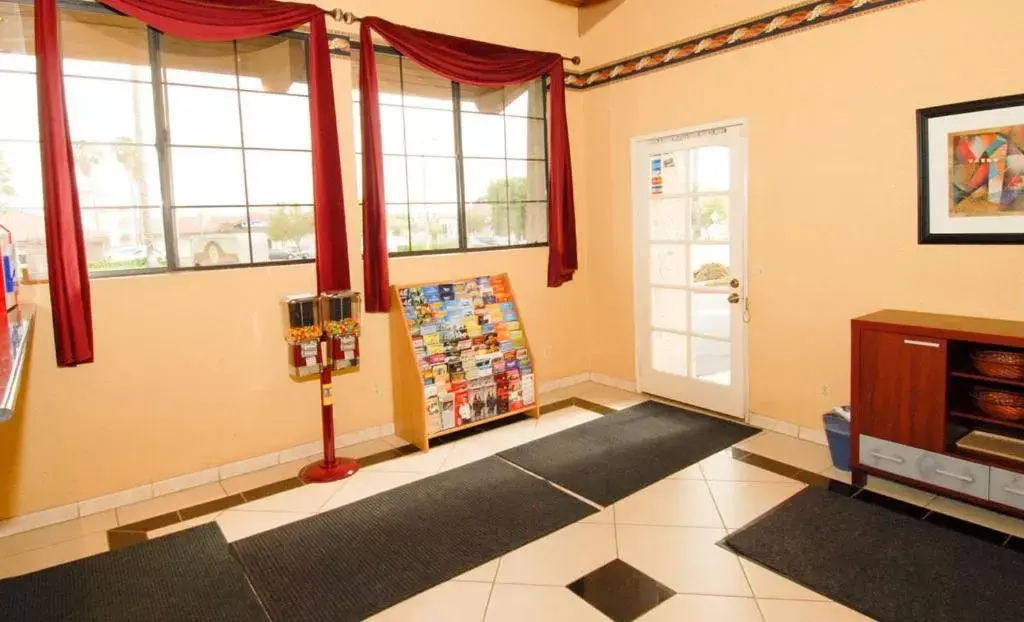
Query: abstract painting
x=987 y=172
x=971 y=172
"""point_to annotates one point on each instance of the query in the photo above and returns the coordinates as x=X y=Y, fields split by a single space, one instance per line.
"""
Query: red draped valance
x=479 y=64
x=208 y=20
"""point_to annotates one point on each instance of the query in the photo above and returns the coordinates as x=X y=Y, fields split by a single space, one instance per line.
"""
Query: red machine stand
x=332 y=468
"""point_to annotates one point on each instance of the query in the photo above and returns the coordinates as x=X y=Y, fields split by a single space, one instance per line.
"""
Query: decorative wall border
x=783 y=22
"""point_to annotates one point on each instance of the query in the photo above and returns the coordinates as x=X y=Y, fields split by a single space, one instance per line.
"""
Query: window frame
x=163 y=147
x=460 y=202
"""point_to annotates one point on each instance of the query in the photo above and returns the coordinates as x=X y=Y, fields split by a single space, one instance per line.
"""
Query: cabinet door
x=903 y=389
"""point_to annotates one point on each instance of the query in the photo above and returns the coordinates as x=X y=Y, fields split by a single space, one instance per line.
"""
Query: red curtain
x=478 y=64
x=208 y=20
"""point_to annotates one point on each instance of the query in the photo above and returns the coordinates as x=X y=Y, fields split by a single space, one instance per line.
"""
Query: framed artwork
x=971 y=172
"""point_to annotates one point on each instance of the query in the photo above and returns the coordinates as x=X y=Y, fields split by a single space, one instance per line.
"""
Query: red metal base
x=319 y=472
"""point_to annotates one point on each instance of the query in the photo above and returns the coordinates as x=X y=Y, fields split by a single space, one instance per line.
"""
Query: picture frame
x=971 y=172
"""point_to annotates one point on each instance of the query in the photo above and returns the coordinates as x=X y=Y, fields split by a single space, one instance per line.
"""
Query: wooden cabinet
x=902 y=389
x=919 y=410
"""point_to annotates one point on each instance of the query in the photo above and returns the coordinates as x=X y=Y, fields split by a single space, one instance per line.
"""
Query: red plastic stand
x=332 y=468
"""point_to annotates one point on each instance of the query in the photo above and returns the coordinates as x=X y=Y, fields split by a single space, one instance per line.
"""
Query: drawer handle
x=1014 y=491
x=927 y=344
x=889 y=458
x=962 y=478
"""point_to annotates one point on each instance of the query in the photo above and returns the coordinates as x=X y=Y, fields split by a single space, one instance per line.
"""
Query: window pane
x=486 y=225
x=429 y=132
x=104 y=46
x=483 y=135
x=201 y=63
x=526 y=100
x=536 y=223
x=29 y=232
x=203 y=117
x=389 y=78
x=21 y=178
x=712 y=166
x=710 y=313
x=273 y=65
x=482 y=99
x=710 y=218
x=423 y=88
x=485 y=181
x=275 y=121
x=392 y=130
x=207 y=176
x=712 y=361
x=528 y=179
x=117 y=175
x=279 y=177
x=710 y=265
x=283 y=233
x=105 y=111
x=17 y=28
x=432 y=180
x=212 y=236
x=398 y=228
x=19 y=116
x=525 y=138
x=434 y=227
x=395 y=189
x=124 y=239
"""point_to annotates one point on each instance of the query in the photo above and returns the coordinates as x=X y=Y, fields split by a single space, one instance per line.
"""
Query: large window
x=465 y=167
x=187 y=154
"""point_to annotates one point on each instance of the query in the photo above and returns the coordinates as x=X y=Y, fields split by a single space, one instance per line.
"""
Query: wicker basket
x=999 y=363
x=1000 y=404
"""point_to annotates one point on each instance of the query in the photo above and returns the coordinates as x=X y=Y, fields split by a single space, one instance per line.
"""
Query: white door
x=689 y=192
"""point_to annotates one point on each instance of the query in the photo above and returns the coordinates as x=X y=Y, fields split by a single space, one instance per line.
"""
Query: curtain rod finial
x=575 y=60
x=336 y=14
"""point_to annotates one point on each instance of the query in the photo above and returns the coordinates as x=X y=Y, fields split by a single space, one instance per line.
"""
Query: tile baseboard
x=86 y=507
x=612 y=381
x=562 y=383
x=789 y=429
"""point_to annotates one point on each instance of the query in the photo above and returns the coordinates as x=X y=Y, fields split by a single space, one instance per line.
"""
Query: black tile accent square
x=895 y=505
x=620 y=591
x=967 y=528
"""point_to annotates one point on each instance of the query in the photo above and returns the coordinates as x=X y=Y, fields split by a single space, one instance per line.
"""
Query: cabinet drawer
x=888 y=456
x=954 y=474
x=1007 y=487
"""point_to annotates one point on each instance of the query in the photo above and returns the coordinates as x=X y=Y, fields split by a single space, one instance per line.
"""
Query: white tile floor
x=669 y=531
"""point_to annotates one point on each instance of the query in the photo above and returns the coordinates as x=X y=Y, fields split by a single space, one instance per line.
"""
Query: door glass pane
x=675 y=171
x=711 y=361
x=711 y=314
x=710 y=218
x=710 y=265
x=712 y=168
x=668 y=219
x=668 y=308
x=668 y=353
x=668 y=264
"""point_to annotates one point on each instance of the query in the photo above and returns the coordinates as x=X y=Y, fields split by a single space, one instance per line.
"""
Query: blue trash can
x=837 y=430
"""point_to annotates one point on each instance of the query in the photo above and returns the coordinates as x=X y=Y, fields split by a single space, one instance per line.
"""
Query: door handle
x=927 y=344
x=734 y=298
x=1014 y=491
x=963 y=478
x=735 y=283
x=889 y=458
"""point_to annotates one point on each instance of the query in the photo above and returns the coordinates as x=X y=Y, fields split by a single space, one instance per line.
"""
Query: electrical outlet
x=547 y=352
x=826 y=390
x=376 y=389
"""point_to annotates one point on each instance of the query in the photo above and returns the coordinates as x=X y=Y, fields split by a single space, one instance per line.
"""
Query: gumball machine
x=302 y=333
x=339 y=313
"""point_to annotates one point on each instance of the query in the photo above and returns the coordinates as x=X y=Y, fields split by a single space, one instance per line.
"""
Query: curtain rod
x=351 y=18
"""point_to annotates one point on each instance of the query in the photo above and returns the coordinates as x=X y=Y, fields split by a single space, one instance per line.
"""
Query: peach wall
x=190 y=367
x=832 y=184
